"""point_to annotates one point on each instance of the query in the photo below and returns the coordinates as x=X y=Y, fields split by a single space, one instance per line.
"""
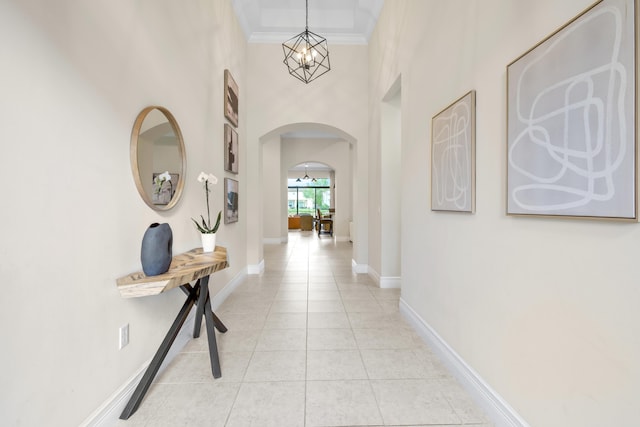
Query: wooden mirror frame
x=135 y=134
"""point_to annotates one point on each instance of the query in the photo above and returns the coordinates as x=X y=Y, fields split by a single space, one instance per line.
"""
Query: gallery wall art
x=231 y=99
x=453 y=156
x=571 y=124
x=230 y=149
x=231 y=203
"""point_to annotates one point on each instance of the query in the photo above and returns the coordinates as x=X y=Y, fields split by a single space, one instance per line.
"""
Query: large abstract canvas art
x=453 y=156
x=571 y=127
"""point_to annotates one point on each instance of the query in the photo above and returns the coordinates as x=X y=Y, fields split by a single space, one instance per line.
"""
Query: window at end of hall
x=306 y=197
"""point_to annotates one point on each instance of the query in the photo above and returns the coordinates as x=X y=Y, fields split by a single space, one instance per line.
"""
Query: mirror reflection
x=157 y=158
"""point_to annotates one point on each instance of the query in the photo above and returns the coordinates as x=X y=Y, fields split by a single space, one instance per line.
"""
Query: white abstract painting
x=453 y=157
x=571 y=119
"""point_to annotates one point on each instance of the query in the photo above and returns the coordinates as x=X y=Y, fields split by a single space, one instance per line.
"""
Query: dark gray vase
x=156 y=250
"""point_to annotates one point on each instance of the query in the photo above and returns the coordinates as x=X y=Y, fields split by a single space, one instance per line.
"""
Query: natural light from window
x=306 y=196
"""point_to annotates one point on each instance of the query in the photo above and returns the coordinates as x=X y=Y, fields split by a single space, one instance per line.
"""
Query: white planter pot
x=208 y=242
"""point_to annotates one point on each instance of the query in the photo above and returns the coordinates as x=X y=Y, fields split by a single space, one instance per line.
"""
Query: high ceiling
x=339 y=21
x=310 y=166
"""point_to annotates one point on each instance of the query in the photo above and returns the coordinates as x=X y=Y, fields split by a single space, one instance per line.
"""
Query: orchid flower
x=205 y=226
x=207 y=178
x=160 y=180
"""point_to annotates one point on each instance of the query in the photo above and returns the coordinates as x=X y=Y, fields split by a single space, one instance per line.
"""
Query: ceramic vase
x=156 y=253
x=208 y=242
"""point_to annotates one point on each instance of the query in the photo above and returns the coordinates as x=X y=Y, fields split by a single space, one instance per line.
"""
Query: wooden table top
x=184 y=268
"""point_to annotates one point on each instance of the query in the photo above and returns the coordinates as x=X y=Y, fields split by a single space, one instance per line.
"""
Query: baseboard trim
x=491 y=402
x=108 y=413
x=390 y=282
x=375 y=276
x=228 y=289
x=256 y=268
x=359 y=268
x=274 y=240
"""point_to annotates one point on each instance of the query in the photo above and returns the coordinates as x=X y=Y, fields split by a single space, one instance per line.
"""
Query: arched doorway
x=292 y=144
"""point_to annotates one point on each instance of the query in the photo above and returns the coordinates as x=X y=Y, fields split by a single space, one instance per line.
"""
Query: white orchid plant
x=160 y=180
x=205 y=226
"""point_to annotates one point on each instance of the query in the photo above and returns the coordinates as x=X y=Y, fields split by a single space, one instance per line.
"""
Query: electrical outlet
x=124 y=336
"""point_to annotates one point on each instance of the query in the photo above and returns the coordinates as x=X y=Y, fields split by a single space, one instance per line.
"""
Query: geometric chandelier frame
x=307 y=54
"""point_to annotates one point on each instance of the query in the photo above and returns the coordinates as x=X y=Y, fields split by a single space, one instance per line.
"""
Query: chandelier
x=306 y=176
x=307 y=54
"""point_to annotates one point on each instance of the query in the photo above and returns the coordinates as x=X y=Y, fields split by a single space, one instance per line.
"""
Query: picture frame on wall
x=571 y=119
x=231 y=98
x=230 y=149
x=231 y=202
x=453 y=152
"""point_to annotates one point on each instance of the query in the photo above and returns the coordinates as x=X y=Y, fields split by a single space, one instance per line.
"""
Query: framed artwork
x=163 y=190
x=571 y=119
x=230 y=98
x=230 y=149
x=231 y=205
x=453 y=156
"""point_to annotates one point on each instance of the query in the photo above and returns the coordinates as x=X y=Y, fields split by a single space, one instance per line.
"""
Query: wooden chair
x=324 y=224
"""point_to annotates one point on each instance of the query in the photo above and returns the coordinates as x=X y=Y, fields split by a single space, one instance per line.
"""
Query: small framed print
x=230 y=149
x=231 y=204
x=230 y=98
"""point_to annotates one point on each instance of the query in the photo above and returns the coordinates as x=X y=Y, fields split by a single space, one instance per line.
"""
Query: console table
x=185 y=268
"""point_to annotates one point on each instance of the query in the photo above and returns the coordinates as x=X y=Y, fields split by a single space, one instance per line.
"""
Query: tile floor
x=309 y=344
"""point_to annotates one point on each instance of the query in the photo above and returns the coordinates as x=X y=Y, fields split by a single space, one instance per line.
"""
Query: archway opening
x=330 y=154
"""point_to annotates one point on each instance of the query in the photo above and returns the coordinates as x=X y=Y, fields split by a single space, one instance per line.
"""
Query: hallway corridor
x=309 y=344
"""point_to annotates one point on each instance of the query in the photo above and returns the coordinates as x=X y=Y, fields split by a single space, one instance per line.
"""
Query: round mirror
x=158 y=158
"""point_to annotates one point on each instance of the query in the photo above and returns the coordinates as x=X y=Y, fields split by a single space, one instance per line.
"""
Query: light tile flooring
x=309 y=344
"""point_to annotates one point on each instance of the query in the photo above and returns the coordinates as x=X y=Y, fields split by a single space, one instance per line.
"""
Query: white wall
x=390 y=188
x=74 y=77
x=272 y=194
x=545 y=310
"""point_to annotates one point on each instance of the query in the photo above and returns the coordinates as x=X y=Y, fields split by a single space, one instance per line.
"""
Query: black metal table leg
x=198 y=294
x=200 y=308
x=205 y=302
x=156 y=362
